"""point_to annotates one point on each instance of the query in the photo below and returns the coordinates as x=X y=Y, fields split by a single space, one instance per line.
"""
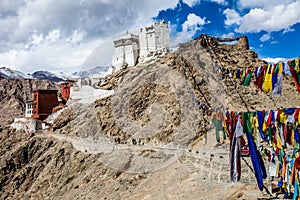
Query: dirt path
x=92 y=146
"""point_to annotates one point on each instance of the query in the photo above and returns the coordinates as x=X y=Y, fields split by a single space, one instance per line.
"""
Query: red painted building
x=43 y=103
x=65 y=90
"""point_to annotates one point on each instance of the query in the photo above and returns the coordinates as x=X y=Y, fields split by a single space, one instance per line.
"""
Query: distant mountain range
x=45 y=75
x=13 y=74
x=98 y=71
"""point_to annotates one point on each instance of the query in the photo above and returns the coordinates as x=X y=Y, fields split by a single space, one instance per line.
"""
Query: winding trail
x=104 y=145
x=204 y=160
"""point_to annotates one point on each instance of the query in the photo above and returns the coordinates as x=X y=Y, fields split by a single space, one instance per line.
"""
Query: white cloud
x=222 y=2
x=55 y=57
x=8 y=7
x=193 y=22
x=270 y=18
x=288 y=29
x=265 y=37
x=37 y=39
x=76 y=37
x=274 y=42
x=190 y=27
x=191 y=2
x=261 y=3
x=232 y=17
x=228 y=35
x=251 y=22
x=54 y=34
x=276 y=60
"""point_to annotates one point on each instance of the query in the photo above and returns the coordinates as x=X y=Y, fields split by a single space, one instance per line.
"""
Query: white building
x=155 y=38
x=152 y=40
x=28 y=124
x=126 y=51
x=29 y=109
x=84 y=91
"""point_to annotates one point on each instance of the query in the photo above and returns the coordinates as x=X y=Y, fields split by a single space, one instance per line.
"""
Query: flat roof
x=45 y=91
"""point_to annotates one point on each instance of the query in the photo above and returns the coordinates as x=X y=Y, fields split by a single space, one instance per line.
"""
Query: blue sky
x=70 y=35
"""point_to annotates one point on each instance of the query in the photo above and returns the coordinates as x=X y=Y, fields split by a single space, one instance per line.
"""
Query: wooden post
x=269 y=179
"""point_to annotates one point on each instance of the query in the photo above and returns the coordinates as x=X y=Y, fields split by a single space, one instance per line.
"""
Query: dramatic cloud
x=193 y=22
x=190 y=27
x=261 y=3
x=58 y=35
x=57 y=56
x=49 y=25
x=232 y=17
x=8 y=7
x=95 y=18
x=275 y=16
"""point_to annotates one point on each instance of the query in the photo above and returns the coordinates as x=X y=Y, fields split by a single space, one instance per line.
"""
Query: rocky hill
x=148 y=140
x=236 y=97
x=42 y=167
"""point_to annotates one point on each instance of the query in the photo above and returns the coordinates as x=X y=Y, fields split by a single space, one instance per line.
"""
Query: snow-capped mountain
x=98 y=71
x=55 y=77
x=65 y=76
x=13 y=74
x=41 y=75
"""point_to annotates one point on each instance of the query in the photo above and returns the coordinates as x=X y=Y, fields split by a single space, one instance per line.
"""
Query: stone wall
x=243 y=43
x=162 y=31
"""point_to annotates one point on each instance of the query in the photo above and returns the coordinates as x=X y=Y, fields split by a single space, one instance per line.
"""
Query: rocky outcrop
x=93 y=120
x=110 y=81
x=232 y=52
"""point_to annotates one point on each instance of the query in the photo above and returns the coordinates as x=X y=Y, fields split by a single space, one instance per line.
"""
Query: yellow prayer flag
x=279 y=145
x=280 y=68
x=268 y=79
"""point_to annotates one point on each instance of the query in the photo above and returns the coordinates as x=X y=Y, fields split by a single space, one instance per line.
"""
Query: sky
x=73 y=35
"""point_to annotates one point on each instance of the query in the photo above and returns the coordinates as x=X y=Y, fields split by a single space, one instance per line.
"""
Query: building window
x=29 y=109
